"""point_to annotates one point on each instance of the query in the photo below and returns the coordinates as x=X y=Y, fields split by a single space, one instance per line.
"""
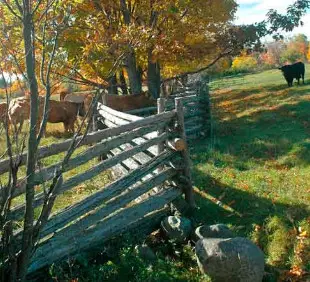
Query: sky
x=251 y=11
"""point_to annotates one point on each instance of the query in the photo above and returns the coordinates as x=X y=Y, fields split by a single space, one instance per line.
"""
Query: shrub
x=244 y=63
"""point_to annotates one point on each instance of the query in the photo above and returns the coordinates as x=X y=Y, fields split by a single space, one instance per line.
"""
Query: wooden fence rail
x=151 y=155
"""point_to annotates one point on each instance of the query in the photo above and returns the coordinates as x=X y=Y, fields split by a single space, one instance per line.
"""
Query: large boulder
x=230 y=260
x=177 y=228
x=212 y=231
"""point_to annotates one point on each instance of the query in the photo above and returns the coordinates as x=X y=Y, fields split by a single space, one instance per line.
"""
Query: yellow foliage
x=244 y=62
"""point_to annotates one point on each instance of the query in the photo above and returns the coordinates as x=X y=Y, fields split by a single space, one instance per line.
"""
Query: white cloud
x=251 y=11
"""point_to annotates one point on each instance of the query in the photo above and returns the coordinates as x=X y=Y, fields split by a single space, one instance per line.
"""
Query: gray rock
x=177 y=228
x=145 y=253
x=230 y=260
x=213 y=231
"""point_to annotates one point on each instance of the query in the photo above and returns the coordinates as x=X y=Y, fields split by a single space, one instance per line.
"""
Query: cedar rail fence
x=152 y=158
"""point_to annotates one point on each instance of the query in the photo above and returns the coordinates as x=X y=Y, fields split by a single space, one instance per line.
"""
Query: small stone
x=230 y=260
x=212 y=231
x=177 y=228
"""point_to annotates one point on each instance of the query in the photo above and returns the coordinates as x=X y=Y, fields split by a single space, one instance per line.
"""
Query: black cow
x=296 y=70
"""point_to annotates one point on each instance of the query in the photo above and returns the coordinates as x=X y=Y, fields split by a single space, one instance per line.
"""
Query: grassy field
x=55 y=134
x=256 y=167
x=253 y=174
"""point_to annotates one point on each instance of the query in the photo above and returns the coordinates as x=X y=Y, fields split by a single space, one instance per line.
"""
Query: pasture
x=55 y=134
x=254 y=173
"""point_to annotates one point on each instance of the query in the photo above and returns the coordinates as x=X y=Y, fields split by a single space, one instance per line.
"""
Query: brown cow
x=59 y=111
x=129 y=102
x=65 y=112
x=63 y=94
x=120 y=103
x=19 y=109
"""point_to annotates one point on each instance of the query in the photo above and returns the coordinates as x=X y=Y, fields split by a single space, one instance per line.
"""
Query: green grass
x=253 y=174
x=257 y=161
x=54 y=134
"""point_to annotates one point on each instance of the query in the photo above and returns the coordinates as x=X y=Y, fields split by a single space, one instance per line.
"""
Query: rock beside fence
x=176 y=228
x=212 y=231
x=230 y=260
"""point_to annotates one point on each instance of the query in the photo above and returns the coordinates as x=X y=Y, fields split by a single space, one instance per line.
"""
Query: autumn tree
x=30 y=32
x=308 y=53
x=157 y=39
x=152 y=38
x=296 y=49
x=272 y=55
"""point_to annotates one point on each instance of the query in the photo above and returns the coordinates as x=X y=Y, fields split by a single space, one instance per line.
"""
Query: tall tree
x=150 y=35
x=29 y=44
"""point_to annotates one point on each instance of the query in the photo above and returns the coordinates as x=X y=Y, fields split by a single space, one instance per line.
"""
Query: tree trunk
x=27 y=241
x=123 y=83
x=113 y=85
x=134 y=73
x=153 y=77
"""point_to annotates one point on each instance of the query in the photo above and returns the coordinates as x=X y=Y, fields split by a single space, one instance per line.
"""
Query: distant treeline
x=274 y=54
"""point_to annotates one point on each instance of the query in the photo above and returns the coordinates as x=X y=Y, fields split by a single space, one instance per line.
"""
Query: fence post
x=205 y=105
x=100 y=122
x=94 y=118
x=160 y=109
x=161 y=103
x=188 y=187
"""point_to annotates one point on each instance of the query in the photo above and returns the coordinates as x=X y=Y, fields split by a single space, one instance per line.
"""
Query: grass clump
x=129 y=267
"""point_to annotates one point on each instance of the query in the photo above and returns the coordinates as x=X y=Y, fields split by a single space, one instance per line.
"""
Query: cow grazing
x=120 y=103
x=59 y=111
x=290 y=72
x=19 y=111
x=65 y=112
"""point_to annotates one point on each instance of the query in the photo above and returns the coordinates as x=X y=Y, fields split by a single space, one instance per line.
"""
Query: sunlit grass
x=55 y=134
x=258 y=159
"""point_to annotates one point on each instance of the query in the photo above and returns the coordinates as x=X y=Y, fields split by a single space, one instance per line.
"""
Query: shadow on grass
x=247 y=209
x=246 y=213
x=237 y=95
x=266 y=134
x=58 y=134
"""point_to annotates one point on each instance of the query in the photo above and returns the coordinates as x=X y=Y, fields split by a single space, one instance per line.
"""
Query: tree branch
x=199 y=70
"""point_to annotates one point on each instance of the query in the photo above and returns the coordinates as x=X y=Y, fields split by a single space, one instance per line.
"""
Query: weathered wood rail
x=197 y=113
x=152 y=158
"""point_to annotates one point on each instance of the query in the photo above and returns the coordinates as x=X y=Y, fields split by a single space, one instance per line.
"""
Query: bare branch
x=6 y=3
x=19 y=7
x=221 y=55
x=14 y=59
x=36 y=7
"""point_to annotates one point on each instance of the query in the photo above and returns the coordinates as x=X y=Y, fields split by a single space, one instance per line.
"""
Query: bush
x=244 y=63
x=292 y=56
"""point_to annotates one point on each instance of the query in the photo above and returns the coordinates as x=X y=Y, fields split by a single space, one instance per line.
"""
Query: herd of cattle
x=67 y=109
x=70 y=105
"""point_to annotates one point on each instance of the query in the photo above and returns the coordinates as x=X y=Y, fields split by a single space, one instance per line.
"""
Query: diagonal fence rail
x=152 y=155
x=152 y=158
